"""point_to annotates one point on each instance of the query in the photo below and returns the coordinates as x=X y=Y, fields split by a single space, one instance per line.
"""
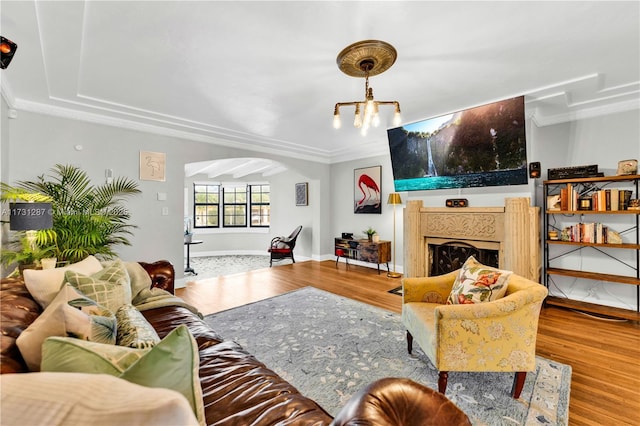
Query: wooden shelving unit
x=586 y=186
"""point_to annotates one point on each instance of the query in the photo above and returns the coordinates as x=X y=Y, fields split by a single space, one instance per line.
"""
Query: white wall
x=34 y=143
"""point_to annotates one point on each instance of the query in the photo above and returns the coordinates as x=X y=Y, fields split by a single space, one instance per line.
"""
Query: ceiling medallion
x=365 y=59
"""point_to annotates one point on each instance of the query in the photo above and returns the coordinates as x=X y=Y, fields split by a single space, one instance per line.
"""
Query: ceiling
x=263 y=75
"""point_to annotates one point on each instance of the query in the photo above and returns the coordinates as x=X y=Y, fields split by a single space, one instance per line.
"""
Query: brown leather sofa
x=237 y=388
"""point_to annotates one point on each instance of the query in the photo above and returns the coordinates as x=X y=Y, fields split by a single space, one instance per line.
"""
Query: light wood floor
x=604 y=355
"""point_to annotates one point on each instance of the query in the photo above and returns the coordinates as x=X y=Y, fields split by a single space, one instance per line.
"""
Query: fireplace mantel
x=513 y=229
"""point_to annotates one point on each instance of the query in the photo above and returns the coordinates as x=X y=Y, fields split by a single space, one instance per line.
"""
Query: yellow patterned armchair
x=495 y=336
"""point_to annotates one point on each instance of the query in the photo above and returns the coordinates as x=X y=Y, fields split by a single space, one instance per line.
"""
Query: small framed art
x=302 y=194
x=152 y=165
x=367 y=183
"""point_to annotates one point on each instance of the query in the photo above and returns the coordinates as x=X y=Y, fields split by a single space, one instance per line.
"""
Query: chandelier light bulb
x=376 y=116
x=397 y=120
x=336 y=120
x=357 y=120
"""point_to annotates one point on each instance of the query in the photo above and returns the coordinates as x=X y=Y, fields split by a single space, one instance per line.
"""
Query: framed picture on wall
x=367 y=188
x=152 y=165
x=302 y=193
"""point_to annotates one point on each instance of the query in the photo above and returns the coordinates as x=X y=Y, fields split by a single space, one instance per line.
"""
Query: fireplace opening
x=449 y=256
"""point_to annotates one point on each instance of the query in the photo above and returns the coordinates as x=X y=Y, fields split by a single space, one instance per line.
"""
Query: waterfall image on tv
x=481 y=146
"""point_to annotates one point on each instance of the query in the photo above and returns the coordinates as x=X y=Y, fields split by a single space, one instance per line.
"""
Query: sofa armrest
x=434 y=289
x=399 y=402
x=162 y=274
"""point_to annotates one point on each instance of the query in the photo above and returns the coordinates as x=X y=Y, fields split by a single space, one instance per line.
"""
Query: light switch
x=165 y=211
x=162 y=196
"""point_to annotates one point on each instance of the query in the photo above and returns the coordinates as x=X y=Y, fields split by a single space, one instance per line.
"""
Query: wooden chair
x=282 y=247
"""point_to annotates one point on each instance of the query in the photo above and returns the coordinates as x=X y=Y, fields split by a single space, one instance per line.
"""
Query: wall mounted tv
x=476 y=147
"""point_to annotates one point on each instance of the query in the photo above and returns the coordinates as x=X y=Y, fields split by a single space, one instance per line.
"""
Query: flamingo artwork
x=370 y=201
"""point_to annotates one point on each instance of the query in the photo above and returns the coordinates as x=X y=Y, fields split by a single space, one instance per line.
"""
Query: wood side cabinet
x=377 y=252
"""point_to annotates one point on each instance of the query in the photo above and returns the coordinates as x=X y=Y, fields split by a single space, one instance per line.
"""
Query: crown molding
x=231 y=141
x=7 y=93
x=542 y=120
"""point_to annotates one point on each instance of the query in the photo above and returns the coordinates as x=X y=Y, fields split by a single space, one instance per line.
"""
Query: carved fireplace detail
x=513 y=231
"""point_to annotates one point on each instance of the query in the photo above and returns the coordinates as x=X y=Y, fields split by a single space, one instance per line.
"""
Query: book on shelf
x=595 y=233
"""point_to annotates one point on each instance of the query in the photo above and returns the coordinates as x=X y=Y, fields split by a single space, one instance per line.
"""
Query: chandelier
x=365 y=59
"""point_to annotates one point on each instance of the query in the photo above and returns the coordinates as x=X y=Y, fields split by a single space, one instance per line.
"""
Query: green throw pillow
x=172 y=364
x=134 y=330
x=109 y=287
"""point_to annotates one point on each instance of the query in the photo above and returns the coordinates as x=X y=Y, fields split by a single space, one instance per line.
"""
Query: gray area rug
x=217 y=266
x=329 y=347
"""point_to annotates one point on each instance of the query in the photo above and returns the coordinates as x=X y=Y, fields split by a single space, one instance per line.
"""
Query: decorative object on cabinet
x=579 y=234
x=369 y=232
x=394 y=200
x=367 y=184
x=364 y=251
x=302 y=192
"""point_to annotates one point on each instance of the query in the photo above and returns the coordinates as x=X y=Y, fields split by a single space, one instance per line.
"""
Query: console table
x=363 y=250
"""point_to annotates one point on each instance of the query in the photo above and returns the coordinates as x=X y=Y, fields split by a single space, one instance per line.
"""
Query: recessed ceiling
x=263 y=75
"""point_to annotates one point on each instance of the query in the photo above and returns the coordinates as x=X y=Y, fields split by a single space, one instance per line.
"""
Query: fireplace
x=450 y=255
x=507 y=237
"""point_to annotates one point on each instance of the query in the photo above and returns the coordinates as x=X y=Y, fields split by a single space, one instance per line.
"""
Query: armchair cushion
x=478 y=283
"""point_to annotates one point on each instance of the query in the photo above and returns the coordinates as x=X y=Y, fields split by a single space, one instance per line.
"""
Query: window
x=260 y=205
x=206 y=206
x=235 y=207
x=230 y=205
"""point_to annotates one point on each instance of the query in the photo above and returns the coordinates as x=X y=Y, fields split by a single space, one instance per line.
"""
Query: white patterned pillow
x=134 y=330
x=44 y=284
x=109 y=287
x=69 y=314
x=478 y=283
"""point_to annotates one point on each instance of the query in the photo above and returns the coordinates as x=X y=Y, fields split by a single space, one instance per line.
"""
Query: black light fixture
x=7 y=50
x=30 y=216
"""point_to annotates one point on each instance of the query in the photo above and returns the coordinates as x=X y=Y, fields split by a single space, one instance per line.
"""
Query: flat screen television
x=476 y=147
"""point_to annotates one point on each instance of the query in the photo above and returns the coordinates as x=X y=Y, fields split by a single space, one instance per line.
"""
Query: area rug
x=329 y=347
x=217 y=266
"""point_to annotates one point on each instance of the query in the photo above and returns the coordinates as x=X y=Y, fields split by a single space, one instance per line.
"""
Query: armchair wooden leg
x=518 y=384
x=409 y=342
x=443 y=377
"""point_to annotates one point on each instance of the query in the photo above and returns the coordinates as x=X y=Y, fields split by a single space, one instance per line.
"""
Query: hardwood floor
x=604 y=355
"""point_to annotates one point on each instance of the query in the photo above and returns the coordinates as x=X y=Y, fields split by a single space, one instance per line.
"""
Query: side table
x=189 y=269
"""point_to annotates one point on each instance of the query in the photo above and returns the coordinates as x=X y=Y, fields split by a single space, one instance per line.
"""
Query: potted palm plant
x=87 y=219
